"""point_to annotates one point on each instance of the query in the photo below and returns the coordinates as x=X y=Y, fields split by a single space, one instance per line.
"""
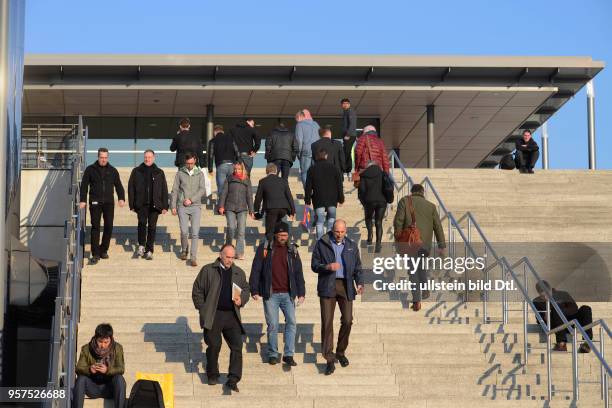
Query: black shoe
x=343 y=361
x=289 y=361
x=273 y=361
x=378 y=248
x=330 y=368
x=94 y=260
x=104 y=255
x=213 y=380
x=522 y=170
x=530 y=171
x=232 y=385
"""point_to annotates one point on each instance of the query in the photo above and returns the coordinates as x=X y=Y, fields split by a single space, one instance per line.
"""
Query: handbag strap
x=412 y=213
x=369 y=148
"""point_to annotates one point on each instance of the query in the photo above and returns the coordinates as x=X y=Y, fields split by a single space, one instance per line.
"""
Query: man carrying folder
x=219 y=291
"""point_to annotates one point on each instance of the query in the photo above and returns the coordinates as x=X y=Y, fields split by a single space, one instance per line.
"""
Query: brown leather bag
x=409 y=239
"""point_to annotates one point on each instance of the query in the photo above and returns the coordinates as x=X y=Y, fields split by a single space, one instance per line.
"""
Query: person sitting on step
x=527 y=153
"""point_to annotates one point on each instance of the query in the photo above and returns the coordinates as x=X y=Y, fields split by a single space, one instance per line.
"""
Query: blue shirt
x=338 y=249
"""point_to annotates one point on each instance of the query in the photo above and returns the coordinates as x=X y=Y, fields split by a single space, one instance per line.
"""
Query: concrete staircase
x=440 y=357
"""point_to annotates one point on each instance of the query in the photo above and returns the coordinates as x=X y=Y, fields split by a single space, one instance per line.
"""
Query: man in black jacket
x=278 y=278
x=281 y=149
x=100 y=179
x=334 y=149
x=275 y=194
x=247 y=141
x=222 y=151
x=186 y=142
x=527 y=153
x=148 y=197
x=219 y=291
x=349 y=133
x=336 y=260
x=324 y=190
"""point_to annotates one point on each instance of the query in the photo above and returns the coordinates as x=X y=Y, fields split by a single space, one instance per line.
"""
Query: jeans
x=284 y=167
x=305 y=163
x=190 y=215
x=284 y=302
x=223 y=170
x=322 y=213
x=248 y=162
x=113 y=388
x=236 y=224
x=98 y=211
x=147 y=225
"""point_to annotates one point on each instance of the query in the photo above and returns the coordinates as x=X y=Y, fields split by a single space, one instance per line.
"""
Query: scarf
x=105 y=355
x=241 y=178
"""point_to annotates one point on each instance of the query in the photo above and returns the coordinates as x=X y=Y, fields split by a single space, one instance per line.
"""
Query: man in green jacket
x=428 y=222
x=219 y=291
x=100 y=369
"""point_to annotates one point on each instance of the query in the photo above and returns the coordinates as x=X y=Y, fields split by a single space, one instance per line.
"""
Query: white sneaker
x=149 y=256
x=140 y=251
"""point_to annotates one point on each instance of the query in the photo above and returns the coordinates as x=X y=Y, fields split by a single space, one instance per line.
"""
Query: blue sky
x=470 y=27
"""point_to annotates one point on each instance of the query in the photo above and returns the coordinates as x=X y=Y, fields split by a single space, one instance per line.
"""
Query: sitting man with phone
x=100 y=369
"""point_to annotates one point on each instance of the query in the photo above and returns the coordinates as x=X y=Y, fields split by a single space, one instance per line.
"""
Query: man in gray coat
x=186 y=200
x=219 y=291
x=306 y=133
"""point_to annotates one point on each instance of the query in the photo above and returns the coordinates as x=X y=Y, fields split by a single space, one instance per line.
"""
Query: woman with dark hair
x=235 y=202
x=374 y=203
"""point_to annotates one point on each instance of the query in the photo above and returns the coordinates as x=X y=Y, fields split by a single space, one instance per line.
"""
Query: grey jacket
x=188 y=187
x=207 y=288
x=306 y=133
x=237 y=195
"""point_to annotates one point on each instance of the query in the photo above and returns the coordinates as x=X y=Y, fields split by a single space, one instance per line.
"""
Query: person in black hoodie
x=281 y=149
x=373 y=200
x=274 y=198
x=100 y=179
x=527 y=153
x=247 y=141
x=324 y=191
x=186 y=142
x=334 y=151
x=222 y=151
x=148 y=197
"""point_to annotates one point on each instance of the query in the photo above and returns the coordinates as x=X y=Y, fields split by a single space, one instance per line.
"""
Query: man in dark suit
x=274 y=198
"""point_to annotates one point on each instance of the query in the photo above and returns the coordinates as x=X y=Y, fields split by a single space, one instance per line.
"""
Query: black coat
x=349 y=122
x=335 y=152
x=532 y=145
x=187 y=142
x=323 y=254
x=281 y=144
x=371 y=187
x=100 y=182
x=138 y=188
x=221 y=148
x=323 y=185
x=275 y=193
x=260 y=279
x=245 y=137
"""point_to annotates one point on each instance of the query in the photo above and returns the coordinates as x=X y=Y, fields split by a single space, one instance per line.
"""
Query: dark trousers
x=284 y=167
x=147 y=224
x=584 y=317
x=97 y=212
x=374 y=215
x=226 y=323
x=527 y=159
x=328 y=306
x=111 y=388
x=348 y=149
x=273 y=216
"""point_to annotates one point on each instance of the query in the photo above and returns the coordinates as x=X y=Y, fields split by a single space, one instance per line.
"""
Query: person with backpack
x=277 y=278
x=186 y=142
x=324 y=191
x=417 y=215
x=100 y=369
x=372 y=197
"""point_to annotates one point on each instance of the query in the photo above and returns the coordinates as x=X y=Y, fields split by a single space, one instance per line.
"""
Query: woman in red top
x=370 y=147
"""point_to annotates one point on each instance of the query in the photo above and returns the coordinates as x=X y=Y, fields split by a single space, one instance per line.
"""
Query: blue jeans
x=248 y=162
x=305 y=163
x=223 y=170
x=287 y=305
x=323 y=213
x=236 y=224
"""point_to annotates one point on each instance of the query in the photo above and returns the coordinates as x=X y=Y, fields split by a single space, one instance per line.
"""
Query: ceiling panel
x=147 y=96
x=268 y=98
x=455 y=98
x=378 y=98
x=528 y=98
x=192 y=109
x=417 y=98
x=46 y=97
x=231 y=97
x=81 y=109
x=334 y=97
x=155 y=109
x=229 y=110
x=263 y=110
x=50 y=109
x=119 y=109
x=82 y=97
x=305 y=99
x=492 y=98
x=193 y=97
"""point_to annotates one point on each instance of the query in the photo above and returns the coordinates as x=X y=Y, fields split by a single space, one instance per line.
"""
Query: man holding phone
x=100 y=369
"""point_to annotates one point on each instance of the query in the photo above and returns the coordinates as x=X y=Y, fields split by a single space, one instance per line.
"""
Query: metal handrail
x=527 y=302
